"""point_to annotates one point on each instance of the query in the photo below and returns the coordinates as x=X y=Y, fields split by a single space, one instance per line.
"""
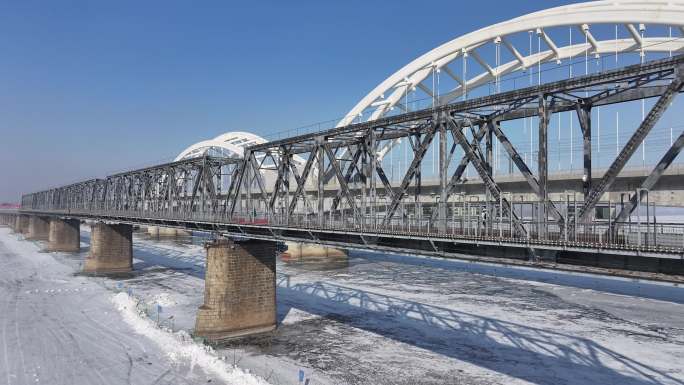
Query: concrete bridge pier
x=39 y=228
x=315 y=254
x=239 y=292
x=153 y=231
x=14 y=223
x=111 y=249
x=163 y=232
x=64 y=235
x=21 y=224
x=301 y=250
x=6 y=220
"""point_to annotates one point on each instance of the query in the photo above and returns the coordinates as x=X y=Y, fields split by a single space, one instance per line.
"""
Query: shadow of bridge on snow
x=520 y=351
x=529 y=353
x=614 y=285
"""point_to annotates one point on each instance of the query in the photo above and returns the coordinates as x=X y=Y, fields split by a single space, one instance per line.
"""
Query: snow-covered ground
x=371 y=319
x=61 y=328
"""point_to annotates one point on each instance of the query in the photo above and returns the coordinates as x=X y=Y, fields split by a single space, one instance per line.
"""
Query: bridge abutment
x=111 y=249
x=39 y=228
x=239 y=293
x=64 y=235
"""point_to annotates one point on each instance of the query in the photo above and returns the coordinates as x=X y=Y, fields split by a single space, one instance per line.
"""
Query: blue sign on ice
x=159 y=308
x=301 y=375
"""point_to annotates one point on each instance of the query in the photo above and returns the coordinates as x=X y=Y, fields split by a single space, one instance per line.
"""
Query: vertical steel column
x=248 y=183
x=418 y=207
x=584 y=115
x=287 y=158
x=543 y=156
x=364 y=181
x=488 y=167
x=373 y=164
x=321 y=179
x=443 y=168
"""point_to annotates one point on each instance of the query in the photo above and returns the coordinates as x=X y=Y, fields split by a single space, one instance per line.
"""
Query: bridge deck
x=408 y=237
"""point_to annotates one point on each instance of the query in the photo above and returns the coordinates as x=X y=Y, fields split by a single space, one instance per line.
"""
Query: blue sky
x=87 y=88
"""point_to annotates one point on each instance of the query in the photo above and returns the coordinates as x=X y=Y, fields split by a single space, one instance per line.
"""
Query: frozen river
x=371 y=319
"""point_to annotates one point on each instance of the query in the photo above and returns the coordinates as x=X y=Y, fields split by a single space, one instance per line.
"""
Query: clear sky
x=92 y=87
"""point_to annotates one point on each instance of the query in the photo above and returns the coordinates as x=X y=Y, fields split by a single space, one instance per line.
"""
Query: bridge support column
x=169 y=232
x=239 y=292
x=39 y=228
x=64 y=235
x=14 y=223
x=153 y=231
x=161 y=231
x=307 y=252
x=111 y=249
x=21 y=224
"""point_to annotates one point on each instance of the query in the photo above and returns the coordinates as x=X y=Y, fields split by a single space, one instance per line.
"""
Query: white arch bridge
x=518 y=99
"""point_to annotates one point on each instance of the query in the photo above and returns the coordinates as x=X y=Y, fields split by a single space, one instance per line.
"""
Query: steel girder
x=617 y=80
x=633 y=143
x=524 y=170
x=651 y=180
x=178 y=188
x=584 y=117
x=485 y=174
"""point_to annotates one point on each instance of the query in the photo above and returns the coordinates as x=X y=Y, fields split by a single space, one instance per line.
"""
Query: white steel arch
x=632 y=17
x=233 y=142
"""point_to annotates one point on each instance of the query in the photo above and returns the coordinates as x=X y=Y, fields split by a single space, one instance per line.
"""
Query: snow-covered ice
x=374 y=319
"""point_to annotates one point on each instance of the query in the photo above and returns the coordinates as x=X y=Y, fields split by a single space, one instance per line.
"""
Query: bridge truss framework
x=267 y=195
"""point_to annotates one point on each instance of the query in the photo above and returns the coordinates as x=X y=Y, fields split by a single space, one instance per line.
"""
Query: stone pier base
x=39 y=228
x=311 y=251
x=111 y=249
x=21 y=224
x=153 y=231
x=239 y=293
x=6 y=220
x=315 y=256
x=64 y=235
x=166 y=232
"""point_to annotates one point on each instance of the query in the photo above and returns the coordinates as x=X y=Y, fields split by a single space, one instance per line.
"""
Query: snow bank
x=180 y=346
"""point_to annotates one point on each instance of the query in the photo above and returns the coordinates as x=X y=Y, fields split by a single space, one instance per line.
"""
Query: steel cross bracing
x=336 y=193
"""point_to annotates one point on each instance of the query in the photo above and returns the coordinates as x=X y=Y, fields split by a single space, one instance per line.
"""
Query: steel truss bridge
x=265 y=194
